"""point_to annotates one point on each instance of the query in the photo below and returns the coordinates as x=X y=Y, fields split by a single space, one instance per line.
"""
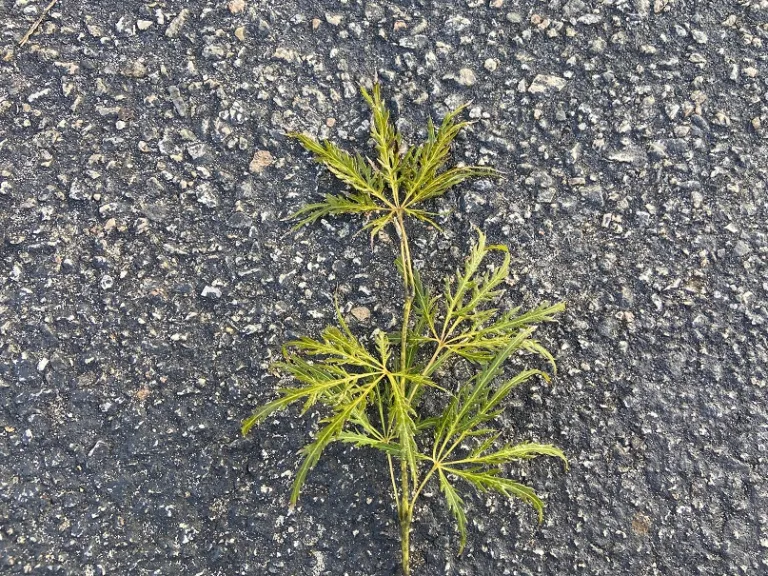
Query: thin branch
x=37 y=23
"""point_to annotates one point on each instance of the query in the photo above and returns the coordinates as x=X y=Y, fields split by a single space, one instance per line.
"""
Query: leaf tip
x=462 y=545
x=247 y=425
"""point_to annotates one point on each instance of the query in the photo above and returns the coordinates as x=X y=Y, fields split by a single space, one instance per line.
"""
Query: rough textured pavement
x=146 y=278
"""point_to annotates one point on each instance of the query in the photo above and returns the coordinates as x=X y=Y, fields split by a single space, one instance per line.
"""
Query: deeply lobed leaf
x=456 y=506
x=397 y=181
x=353 y=171
x=490 y=479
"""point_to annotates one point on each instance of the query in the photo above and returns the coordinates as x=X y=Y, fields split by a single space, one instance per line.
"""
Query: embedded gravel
x=147 y=278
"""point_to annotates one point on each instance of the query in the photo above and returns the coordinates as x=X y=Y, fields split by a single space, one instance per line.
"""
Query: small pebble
x=741 y=248
x=333 y=19
x=361 y=313
x=261 y=159
x=236 y=6
x=211 y=292
x=467 y=77
x=544 y=83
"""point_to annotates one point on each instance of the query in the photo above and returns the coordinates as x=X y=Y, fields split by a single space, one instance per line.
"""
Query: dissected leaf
x=397 y=181
x=326 y=435
x=354 y=171
x=385 y=135
x=468 y=325
x=336 y=206
x=508 y=453
x=403 y=414
x=320 y=386
x=456 y=506
x=472 y=404
x=491 y=480
x=425 y=162
x=361 y=440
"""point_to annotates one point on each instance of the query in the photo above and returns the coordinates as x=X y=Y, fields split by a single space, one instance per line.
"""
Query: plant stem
x=405 y=514
x=405 y=537
x=408 y=286
x=404 y=505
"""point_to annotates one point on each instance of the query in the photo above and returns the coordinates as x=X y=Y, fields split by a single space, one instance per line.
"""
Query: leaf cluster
x=366 y=406
x=394 y=183
x=373 y=396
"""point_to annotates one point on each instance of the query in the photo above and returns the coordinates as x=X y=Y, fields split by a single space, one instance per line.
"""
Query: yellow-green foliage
x=373 y=397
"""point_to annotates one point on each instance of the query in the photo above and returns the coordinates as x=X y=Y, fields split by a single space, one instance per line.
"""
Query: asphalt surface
x=147 y=278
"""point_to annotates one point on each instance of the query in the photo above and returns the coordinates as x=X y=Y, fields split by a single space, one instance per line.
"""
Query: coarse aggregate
x=148 y=278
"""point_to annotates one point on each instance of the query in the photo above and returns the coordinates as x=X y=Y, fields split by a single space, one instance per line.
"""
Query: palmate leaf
x=346 y=364
x=466 y=417
x=468 y=324
x=466 y=299
x=345 y=378
x=482 y=471
x=397 y=181
x=473 y=402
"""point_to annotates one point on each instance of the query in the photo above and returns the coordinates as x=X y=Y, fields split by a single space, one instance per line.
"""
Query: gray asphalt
x=147 y=278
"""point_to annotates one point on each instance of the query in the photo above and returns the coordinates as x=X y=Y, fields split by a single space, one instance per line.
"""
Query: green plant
x=373 y=398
